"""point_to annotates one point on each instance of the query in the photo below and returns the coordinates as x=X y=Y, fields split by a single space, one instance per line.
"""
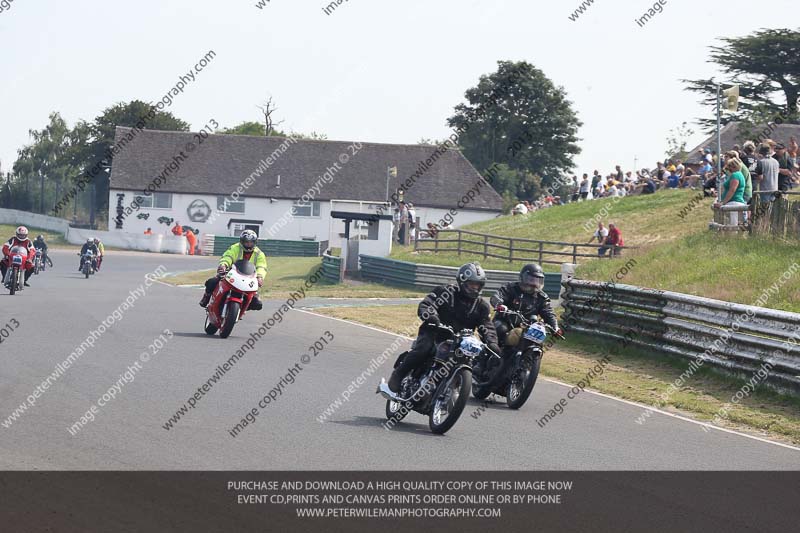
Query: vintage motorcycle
x=87 y=263
x=231 y=299
x=15 y=274
x=38 y=263
x=440 y=389
x=515 y=376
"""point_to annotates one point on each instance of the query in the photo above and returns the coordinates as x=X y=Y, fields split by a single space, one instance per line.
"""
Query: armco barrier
x=272 y=247
x=744 y=337
x=425 y=277
x=331 y=268
x=168 y=244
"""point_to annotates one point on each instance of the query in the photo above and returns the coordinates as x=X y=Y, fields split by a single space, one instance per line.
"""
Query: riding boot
x=204 y=300
x=27 y=275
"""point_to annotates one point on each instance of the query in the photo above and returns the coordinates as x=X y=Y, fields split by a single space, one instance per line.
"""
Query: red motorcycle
x=231 y=299
x=15 y=275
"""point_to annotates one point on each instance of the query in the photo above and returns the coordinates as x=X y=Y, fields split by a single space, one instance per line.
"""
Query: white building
x=283 y=188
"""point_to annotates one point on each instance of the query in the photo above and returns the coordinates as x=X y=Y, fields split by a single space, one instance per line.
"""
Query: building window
x=302 y=209
x=226 y=205
x=157 y=200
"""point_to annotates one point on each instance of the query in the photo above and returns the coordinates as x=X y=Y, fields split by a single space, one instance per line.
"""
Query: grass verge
x=52 y=238
x=287 y=274
x=635 y=375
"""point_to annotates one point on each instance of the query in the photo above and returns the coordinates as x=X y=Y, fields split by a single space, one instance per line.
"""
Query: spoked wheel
x=449 y=400
x=86 y=271
x=231 y=316
x=36 y=268
x=209 y=328
x=13 y=281
x=522 y=381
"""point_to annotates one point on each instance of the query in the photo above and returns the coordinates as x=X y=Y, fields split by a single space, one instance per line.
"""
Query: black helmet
x=248 y=240
x=531 y=277
x=469 y=274
x=40 y=237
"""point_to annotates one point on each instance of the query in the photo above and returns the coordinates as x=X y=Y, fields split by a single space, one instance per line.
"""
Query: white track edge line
x=629 y=402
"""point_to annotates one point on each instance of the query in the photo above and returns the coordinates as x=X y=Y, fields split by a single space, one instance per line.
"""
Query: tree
x=518 y=117
x=102 y=131
x=766 y=65
x=245 y=128
x=268 y=109
x=676 y=142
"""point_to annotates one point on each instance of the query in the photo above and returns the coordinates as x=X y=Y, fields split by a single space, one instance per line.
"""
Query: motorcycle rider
x=100 y=252
x=459 y=306
x=40 y=244
x=245 y=249
x=89 y=245
x=20 y=238
x=526 y=297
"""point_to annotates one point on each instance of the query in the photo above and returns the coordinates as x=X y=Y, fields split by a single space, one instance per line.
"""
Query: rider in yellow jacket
x=245 y=249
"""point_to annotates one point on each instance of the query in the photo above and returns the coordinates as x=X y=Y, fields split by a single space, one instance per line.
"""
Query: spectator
x=649 y=186
x=710 y=185
x=412 y=216
x=673 y=180
x=148 y=231
x=681 y=170
x=619 y=175
x=403 y=220
x=432 y=231
x=585 y=187
x=599 y=191
x=748 y=182
x=600 y=236
x=614 y=240
x=785 y=167
x=520 y=209
x=733 y=189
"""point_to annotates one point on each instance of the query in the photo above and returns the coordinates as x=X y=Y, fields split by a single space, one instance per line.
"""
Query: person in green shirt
x=733 y=189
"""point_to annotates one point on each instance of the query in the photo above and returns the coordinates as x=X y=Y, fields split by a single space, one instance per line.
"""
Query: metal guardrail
x=273 y=247
x=331 y=268
x=688 y=326
x=425 y=277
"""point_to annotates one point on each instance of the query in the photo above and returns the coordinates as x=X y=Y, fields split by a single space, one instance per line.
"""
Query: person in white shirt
x=520 y=209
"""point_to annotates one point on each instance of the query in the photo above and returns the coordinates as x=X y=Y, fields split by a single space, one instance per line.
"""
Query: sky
x=377 y=70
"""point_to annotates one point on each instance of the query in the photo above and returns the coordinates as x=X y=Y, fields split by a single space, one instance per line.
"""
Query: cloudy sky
x=377 y=70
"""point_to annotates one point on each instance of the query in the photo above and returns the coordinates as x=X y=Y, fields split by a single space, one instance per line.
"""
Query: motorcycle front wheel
x=449 y=400
x=396 y=410
x=523 y=378
x=209 y=328
x=14 y=280
x=86 y=271
x=231 y=316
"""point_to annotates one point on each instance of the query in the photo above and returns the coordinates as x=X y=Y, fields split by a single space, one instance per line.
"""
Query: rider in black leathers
x=40 y=244
x=89 y=245
x=458 y=306
x=526 y=297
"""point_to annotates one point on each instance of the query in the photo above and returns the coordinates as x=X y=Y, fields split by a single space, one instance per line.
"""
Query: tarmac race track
x=61 y=310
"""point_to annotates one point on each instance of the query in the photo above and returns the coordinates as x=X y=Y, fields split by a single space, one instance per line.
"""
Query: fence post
x=510 y=250
x=575 y=254
x=459 y=243
x=436 y=243
x=485 y=246
x=416 y=237
x=541 y=245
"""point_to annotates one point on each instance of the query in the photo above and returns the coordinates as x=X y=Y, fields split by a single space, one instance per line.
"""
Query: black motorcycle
x=38 y=264
x=515 y=376
x=439 y=389
x=88 y=263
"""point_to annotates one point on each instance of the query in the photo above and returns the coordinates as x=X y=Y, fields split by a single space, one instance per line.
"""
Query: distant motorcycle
x=231 y=299
x=15 y=275
x=440 y=389
x=88 y=265
x=38 y=263
x=515 y=378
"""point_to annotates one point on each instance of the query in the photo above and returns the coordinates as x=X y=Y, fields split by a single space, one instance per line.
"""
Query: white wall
x=169 y=244
x=24 y=218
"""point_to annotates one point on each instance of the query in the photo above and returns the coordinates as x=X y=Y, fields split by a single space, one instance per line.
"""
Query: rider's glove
x=221 y=269
x=260 y=281
x=501 y=308
x=559 y=332
x=433 y=321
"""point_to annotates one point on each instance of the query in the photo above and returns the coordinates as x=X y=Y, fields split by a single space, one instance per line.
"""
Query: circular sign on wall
x=198 y=211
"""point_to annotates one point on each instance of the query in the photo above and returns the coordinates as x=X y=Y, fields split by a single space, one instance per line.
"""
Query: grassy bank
x=635 y=375
x=53 y=238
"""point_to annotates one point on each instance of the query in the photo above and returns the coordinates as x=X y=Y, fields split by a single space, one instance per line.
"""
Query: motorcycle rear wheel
x=521 y=384
x=449 y=400
x=231 y=316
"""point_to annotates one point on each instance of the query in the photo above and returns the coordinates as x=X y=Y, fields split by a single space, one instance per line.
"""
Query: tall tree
x=766 y=65
x=518 y=117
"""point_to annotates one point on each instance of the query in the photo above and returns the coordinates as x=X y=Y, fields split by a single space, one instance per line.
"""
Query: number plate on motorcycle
x=471 y=346
x=17 y=260
x=536 y=333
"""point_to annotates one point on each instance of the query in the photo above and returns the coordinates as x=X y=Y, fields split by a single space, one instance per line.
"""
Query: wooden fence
x=507 y=248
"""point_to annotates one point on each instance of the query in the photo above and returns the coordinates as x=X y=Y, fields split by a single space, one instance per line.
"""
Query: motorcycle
x=440 y=389
x=515 y=377
x=231 y=299
x=87 y=263
x=15 y=274
x=38 y=264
